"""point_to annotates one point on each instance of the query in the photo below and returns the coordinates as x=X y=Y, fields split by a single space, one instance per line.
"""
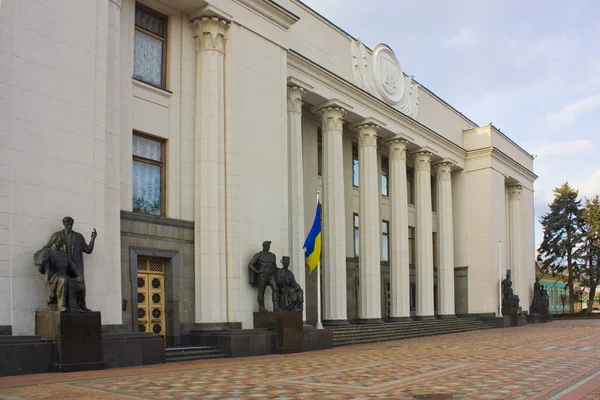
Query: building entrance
x=151 y=295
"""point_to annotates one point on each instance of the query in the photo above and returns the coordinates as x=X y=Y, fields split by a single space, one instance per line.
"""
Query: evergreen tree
x=588 y=254
x=562 y=236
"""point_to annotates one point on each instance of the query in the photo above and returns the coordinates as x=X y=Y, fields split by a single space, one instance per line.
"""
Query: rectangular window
x=410 y=186
x=148 y=175
x=433 y=194
x=150 y=46
x=385 y=168
x=385 y=241
x=319 y=152
x=435 y=249
x=354 y=165
x=356 y=234
x=413 y=295
x=411 y=245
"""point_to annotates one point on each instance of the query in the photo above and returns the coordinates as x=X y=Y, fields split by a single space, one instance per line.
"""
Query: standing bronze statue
x=291 y=295
x=262 y=269
x=59 y=269
x=75 y=246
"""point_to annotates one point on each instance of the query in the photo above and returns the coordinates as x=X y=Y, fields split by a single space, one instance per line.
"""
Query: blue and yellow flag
x=312 y=244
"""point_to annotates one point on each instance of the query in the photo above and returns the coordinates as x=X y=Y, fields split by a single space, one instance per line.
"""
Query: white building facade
x=187 y=132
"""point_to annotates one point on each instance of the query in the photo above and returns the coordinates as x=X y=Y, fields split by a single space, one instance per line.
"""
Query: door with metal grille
x=151 y=295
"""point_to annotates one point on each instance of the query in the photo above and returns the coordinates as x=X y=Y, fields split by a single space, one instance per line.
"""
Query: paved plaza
x=543 y=361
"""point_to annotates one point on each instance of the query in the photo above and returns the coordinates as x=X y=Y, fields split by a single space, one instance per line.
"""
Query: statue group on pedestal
x=541 y=300
x=287 y=295
x=61 y=261
x=510 y=301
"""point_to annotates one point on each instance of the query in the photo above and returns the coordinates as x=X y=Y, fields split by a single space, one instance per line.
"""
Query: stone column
x=399 y=269
x=515 y=239
x=209 y=172
x=445 y=238
x=334 y=218
x=296 y=186
x=112 y=157
x=370 y=226
x=424 y=235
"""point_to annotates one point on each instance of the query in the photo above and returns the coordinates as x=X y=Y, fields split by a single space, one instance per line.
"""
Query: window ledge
x=162 y=92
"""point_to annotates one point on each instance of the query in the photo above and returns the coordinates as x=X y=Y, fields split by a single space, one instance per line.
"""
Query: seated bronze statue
x=60 y=272
x=291 y=295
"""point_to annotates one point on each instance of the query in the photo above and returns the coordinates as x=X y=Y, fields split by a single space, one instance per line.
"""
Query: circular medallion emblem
x=387 y=73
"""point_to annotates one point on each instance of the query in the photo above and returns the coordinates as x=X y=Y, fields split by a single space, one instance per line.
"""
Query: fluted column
x=399 y=268
x=424 y=235
x=445 y=238
x=370 y=226
x=209 y=172
x=296 y=185
x=515 y=238
x=334 y=223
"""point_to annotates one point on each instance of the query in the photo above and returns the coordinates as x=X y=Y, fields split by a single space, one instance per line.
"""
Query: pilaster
x=296 y=185
x=515 y=238
x=209 y=172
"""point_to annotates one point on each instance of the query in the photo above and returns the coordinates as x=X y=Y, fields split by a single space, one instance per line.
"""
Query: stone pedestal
x=535 y=318
x=288 y=326
x=78 y=338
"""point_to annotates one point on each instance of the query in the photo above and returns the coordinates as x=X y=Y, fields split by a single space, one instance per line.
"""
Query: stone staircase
x=368 y=333
x=174 y=354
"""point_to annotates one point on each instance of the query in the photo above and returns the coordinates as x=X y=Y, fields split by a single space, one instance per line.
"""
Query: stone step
x=356 y=334
x=385 y=338
x=174 y=354
x=405 y=329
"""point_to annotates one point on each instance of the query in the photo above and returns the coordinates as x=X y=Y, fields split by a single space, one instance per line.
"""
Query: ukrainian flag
x=312 y=244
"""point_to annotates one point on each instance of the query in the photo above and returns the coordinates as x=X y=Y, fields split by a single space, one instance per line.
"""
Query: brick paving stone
x=512 y=363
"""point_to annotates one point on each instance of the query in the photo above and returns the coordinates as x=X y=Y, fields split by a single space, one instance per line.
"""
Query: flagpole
x=319 y=324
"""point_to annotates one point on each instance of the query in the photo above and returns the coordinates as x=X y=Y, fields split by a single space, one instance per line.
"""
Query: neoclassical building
x=187 y=132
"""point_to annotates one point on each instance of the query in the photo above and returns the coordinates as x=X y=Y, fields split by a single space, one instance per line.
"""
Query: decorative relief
x=332 y=118
x=514 y=192
x=367 y=135
x=422 y=161
x=210 y=34
x=444 y=171
x=295 y=94
x=380 y=74
x=397 y=149
x=116 y=3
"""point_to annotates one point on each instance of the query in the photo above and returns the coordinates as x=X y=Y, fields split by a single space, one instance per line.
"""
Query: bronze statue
x=540 y=303
x=75 y=247
x=509 y=300
x=291 y=295
x=59 y=268
x=262 y=270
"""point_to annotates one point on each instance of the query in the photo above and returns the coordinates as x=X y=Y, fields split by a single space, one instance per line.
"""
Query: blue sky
x=532 y=68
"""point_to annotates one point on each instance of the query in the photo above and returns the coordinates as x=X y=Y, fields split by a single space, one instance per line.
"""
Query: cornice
x=271 y=11
x=409 y=126
x=497 y=155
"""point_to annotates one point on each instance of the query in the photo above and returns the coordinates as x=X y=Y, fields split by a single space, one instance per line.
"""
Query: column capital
x=422 y=160
x=514 y=192
x=332 y=118
x=367 y=135
x=210 y=33
x=397 y=148
x=444 y=170
x=116 y=3
x=294 y=98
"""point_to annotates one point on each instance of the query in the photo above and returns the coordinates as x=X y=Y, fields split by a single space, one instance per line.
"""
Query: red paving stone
x=543 y=361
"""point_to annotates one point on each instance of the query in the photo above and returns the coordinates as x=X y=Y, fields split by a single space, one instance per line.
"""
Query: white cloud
x=463 y=39
x=571 y=112
x=589 y=186
x=567 y=147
